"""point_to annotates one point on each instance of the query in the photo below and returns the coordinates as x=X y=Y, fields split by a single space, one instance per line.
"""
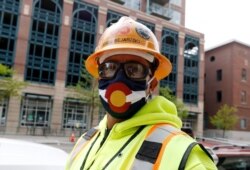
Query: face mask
x=122 y=97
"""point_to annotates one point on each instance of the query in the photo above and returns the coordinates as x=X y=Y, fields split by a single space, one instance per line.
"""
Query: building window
x=9 y=11
x=169 y=48
x=219 y=96
x=219 y=75
x=44 y=42
x=132 y=4
x=243 y=123
x=212 y=58
x=102 y=113
x=113 y=17
x=82 y=43
x=75 y=114
x=243 y=97
x=177 y=2
x=3 y=111
x=176 y=17
x=191 y=70
x=244 y=74
x=149 y=25
x=36 y=110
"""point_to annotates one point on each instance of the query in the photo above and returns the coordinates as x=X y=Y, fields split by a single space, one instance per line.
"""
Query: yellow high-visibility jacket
x=151 y=139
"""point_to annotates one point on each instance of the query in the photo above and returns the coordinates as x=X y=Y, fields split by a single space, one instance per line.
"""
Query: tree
x=87 y=90
x=225 y=118
x=181 y=109
x=8 y=85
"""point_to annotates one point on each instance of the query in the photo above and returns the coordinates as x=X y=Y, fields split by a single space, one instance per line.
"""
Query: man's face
x=123 y=84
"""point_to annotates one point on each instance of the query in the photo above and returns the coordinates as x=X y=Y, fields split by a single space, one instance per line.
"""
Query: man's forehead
x=144 y=55
x=126 y=57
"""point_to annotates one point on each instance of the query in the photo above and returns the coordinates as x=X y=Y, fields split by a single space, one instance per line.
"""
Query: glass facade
x=112 y=17
x=149 y=25
x=170 y=50
x=36 y=110
x=102 y=113
x=9 y=11
x=3 y=111
x=44 y=40
x=191 y=70
x=133 y=4
x=177 y=2
x=243 y=97
x=176 y=17
x=82 y=43
x=243 y=74
x=243 y=123
x=75 y=114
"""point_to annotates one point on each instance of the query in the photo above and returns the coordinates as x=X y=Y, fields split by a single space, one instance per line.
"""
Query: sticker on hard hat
x=123 y=31
x=142 y=33
x=124 y=40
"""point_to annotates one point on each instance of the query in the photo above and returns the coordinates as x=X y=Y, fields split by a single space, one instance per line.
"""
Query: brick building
x=46 y=42
x=227 y=81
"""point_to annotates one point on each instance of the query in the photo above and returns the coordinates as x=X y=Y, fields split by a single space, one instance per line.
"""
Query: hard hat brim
x=164 y=68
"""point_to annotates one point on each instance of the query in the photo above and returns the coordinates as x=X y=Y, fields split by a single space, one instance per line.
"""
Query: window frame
x=33 y=106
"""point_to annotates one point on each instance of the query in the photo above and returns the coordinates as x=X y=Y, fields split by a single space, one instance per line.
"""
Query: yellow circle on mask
x=118 y=98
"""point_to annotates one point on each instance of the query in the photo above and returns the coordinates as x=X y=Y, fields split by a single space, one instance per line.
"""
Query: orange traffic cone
x=72 y=137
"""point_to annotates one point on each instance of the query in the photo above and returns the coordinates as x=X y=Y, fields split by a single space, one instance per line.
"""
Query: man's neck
x=111 y=121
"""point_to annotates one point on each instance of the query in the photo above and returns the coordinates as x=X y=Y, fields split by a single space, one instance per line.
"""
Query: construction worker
x=137 y=132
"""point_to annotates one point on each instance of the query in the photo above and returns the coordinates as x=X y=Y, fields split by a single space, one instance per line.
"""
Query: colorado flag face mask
x=121 y=96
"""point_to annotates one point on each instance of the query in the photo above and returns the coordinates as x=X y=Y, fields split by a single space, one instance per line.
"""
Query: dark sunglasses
x=133 y=70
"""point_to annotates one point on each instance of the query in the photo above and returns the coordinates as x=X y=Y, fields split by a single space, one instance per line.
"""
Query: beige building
x=46 y=42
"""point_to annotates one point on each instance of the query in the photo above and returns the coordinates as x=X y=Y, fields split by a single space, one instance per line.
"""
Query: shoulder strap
x=185 y=156
x=81 y=143
x=187 y=153
x=90 y=133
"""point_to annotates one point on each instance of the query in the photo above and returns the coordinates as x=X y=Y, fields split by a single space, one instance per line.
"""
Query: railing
x=162 y=2
x=46 y=15
x=119 y=1
x=158 y=10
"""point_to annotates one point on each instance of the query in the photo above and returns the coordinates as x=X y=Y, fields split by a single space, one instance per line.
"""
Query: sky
x=219 y=20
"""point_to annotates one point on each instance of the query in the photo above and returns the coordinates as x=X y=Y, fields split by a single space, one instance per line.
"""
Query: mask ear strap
x=152 y=83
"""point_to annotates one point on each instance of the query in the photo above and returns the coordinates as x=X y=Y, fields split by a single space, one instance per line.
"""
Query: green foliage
x=225 y=118
x=5 y=71
x=87 y=90
x=89 y=93
x=181 y=109
x=9 y=86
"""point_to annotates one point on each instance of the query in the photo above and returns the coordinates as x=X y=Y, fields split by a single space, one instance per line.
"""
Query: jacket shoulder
x=162 y=142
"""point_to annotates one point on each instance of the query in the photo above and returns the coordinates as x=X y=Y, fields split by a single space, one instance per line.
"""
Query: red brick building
x=227 y=81
x=46 y=42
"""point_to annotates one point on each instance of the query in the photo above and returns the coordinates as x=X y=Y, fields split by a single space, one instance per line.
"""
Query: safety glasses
x=133 y=70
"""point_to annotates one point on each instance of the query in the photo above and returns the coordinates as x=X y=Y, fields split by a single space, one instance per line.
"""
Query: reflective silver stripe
x=78 y=147
x=80 y=144
x=158 y=135
x=161 y=133
x=142 y=165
